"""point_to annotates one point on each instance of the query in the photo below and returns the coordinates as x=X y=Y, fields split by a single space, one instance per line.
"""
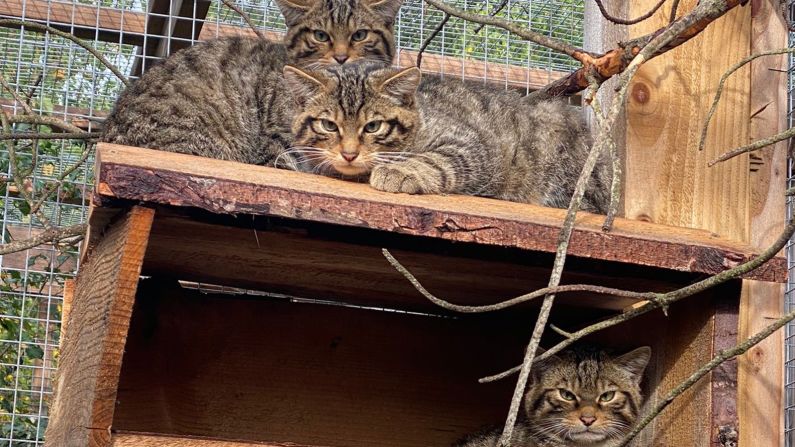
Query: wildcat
x=583 y=398
x=225 y=98
x=427 y=135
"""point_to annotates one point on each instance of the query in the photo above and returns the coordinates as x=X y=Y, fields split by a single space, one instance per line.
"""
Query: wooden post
x=668 y=181
x=760 y=380
x=92 y=353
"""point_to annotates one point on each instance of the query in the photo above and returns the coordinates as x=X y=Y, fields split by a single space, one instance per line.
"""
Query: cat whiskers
x=304 y=153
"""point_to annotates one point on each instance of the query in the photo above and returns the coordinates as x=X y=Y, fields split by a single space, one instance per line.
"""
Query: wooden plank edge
x=133 y=439
x=174 y=179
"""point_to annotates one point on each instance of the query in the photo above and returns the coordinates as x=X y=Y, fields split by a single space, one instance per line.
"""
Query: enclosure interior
x=347 y=352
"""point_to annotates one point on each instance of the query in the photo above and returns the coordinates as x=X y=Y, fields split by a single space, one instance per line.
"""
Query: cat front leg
x=421 y=175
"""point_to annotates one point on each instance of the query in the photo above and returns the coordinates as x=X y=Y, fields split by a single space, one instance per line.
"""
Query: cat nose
x=588 y=420
x=341 y=58
x=350 y=156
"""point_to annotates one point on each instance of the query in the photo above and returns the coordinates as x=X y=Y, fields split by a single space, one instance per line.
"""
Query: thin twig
x=51 y=187
x=52 y=235
x=45 y=120
x=14 y=94
x=430 y=38
x=674 y=9
x=245 y=17
x=496 y=11
x=532 y=36
x=756 y=145
x=50 y=136
x=664 y=300
x=33 y=88
x=721 y=357
x=621 y=21
x=714 y=107
x=48 y=29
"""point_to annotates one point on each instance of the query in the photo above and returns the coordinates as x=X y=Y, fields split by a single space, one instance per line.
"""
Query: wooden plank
x=151 y=440
x=761 y=378
x=181 y=180
x=91 y=361
x=129 y=27
x=668 y=182
x=66 y=308
x=322 y=259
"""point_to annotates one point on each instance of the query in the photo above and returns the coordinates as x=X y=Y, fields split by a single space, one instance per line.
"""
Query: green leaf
x=23 y=207
x=34 y=352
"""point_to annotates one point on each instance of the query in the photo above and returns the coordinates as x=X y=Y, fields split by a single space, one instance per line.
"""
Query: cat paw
x=396 y=178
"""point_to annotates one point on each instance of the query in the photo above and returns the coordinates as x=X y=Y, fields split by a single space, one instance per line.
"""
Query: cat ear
x=401 y=85
x=387 y=8
x=292 y=10
x=304 y=85
x=635 y=361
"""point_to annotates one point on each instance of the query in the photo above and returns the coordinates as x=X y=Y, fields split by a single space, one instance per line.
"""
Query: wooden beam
x=175 y=179
x=667 y=180
x=129 y=27
x=153 y=440
x=761 y=381
x=91 y=361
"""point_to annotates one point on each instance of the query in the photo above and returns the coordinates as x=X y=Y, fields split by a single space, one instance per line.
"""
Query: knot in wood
x=641 y=93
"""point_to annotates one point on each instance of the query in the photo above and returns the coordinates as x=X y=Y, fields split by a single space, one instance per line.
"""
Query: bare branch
x=17 y=98
x=48 y=29
x=722 y=356
x=756 y=145
x=51 y=187
x=50 y=136
x=430 y=38
x=665 y=299
x=621 y=21
x=722 y=82
x=51 y=235
x=245 y=17
x=496 y=11
x=46 y=121
x=674 y=9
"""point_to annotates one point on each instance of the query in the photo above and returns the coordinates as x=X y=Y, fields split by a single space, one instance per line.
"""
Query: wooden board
x=149 y=440
x=129 y=27
x=91 y=360
x=761 y=380
x=255 y=369
x=180 y=180
x=346 y=264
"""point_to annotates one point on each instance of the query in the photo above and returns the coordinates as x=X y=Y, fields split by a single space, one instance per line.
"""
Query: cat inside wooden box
x=326 y=101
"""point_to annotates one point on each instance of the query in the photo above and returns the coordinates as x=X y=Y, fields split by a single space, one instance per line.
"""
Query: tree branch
x=430 y=38
x=80 y=42
x=620 y=21
x=756 y=145
x=246 y=17
x=49 y=235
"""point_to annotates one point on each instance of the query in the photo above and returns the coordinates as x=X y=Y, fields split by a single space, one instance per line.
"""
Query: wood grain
x=761 y=378
x=668 y=181
x=130 y=27
x=66 y=309
x=150 y=440
x=180 y=180
x=91 y=360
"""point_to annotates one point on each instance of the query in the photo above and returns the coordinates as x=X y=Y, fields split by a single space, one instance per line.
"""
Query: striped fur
x=442 y=136
x=584 y=385
x=226 y=98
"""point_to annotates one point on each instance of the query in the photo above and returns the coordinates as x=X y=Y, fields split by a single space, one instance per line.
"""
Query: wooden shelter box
x=227 y=305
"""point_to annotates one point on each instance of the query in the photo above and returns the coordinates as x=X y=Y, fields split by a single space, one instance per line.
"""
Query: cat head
x=585 y=396
x=353 y=117
x=332 y=32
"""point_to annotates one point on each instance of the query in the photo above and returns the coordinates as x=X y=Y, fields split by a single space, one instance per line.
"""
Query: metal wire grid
x=63 y=80
x=789 y=302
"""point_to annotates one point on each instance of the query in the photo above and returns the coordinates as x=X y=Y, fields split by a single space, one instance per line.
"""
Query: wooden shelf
x=220 y=187
x=152 y=440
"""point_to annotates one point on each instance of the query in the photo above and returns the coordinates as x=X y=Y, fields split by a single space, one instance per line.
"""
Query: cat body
x=582 y=398
x=437 y=136
x=226 y=98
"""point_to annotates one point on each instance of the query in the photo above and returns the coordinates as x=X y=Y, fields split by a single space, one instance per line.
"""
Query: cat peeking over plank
x=339 y=110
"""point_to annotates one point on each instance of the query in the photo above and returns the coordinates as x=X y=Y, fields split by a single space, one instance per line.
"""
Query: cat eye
x=566 y=395
x=607 y=396
x=329 y=125
x=359 y=35
x=373 y=126
x=321 y=36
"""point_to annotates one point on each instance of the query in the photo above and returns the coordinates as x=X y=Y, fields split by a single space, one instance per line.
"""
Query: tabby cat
x=226 y=99
x=425 y=135
x=584 y=398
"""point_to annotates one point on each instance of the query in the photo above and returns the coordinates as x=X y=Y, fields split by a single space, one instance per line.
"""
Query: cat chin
x=587 y=438
x=351 y=171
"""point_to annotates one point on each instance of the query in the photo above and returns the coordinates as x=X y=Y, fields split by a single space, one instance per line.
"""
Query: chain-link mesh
x=56 y=77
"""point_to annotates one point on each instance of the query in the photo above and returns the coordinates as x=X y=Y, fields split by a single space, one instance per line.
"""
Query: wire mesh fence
x=789 y=302
x=56 y=77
